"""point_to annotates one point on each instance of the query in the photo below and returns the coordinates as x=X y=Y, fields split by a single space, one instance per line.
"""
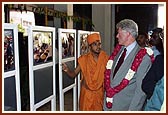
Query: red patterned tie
x=120 y=61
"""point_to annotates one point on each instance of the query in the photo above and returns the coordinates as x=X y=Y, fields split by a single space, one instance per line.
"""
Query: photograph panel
x=68 y=46
x=42 y=46
x=8 y=50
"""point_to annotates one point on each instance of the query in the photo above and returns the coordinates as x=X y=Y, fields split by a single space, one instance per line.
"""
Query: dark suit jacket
x=155 y=73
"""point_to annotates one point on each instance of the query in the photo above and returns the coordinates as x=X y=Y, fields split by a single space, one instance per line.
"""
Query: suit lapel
x=125 y=66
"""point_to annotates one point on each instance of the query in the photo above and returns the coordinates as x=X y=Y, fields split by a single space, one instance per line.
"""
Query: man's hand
x=65 y=67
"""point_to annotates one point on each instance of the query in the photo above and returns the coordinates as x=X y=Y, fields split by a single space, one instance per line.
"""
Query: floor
x=68 y=103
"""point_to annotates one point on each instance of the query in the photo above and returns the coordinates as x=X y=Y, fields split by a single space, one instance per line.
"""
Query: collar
x=130 y=48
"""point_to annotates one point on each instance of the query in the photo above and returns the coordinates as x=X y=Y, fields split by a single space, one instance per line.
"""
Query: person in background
x=153 y=83
x=142 y=39
x=163 y=107
x=155 y=41
x=92 y=67
x=123 y=90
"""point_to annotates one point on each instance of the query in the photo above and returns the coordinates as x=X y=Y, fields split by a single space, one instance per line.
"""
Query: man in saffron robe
x=92 y=67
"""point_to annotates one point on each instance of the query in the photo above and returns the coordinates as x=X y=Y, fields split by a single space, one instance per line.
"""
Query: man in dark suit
x=130 y=98
x=153 y=82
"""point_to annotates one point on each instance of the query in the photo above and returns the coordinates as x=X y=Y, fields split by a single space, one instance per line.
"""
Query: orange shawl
x=92 y=90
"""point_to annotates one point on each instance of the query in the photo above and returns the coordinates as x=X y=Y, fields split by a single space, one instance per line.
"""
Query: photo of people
x=42 y=47
x=83 y=43
x=67 y=45
x=8 y=50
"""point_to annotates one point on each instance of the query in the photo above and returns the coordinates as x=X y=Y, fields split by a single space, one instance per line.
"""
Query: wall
x=102 y=18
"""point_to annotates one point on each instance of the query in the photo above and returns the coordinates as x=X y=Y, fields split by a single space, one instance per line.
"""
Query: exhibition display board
x=67 y=54
x=83 y=48
x=42 y=66
x=11 y=75
x=41 y=50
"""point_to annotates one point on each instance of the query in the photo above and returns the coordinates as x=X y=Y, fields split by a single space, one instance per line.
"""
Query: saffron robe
x=92 y=81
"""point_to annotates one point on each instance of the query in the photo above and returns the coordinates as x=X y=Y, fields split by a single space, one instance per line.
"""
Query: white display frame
x=61 y=60
x=80 y=32
x=33 y=67
x=15 y=72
